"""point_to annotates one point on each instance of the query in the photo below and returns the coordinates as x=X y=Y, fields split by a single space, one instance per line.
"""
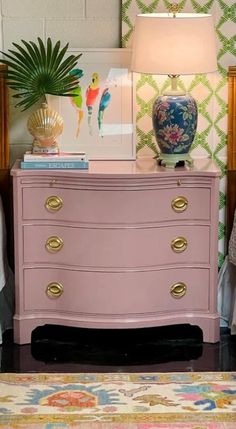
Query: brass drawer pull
x=179 y=244
x=178 y=290
x=54 y=290
x=53 y=203
x=179 y=204
x=54 y=244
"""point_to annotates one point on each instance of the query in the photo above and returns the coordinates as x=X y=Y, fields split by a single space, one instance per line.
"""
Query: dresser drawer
x=117 y=247
x=116 y=293
x=116 y=206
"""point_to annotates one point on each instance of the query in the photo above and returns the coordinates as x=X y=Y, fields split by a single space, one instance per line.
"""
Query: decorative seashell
x=45 y=125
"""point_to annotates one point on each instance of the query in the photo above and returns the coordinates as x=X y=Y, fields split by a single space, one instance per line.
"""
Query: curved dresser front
x=124 y=244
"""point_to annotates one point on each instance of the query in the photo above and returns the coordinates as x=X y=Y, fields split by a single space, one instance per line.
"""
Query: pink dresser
x=125 y=244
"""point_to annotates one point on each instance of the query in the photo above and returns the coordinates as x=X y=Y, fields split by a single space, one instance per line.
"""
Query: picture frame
x=99 y=119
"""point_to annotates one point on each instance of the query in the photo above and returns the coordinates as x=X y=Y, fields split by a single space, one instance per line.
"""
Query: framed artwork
x=98 y=118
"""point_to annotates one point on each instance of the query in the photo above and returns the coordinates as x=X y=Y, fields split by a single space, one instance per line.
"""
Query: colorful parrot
x=77 y=99
x=91 y=96
x=104 y=101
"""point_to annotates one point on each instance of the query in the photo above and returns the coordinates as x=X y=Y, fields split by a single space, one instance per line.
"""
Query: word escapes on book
x=54 y=165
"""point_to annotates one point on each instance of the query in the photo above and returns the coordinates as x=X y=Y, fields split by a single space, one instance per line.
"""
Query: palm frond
x=22 y=56
x=13 y=63
x=29 y=49
x=42 y=50
x=36 y=69
x=53 y=56
x=59 y=57
x=49 y=53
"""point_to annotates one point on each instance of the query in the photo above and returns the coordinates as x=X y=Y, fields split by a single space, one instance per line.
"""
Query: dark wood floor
x=168 y=349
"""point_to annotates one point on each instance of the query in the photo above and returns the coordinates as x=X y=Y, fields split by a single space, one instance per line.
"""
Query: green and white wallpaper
x=210 y=91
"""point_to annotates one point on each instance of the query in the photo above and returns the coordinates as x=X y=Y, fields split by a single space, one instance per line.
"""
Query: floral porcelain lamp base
x=174 y=120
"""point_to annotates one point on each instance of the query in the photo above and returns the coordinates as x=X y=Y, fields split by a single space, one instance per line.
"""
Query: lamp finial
x=174 y=8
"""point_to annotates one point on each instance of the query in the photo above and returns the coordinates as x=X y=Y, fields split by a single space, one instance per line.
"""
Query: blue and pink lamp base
x=174 y=118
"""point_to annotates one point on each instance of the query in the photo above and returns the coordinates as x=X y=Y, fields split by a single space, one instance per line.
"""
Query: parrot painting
x=77 y=99
x=104 y=102
x=91 y=96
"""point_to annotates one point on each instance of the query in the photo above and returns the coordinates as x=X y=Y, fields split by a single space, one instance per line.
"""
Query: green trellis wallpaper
x=210 y=91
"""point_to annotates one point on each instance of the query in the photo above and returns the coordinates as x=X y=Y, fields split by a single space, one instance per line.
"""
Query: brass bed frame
x=231 y=151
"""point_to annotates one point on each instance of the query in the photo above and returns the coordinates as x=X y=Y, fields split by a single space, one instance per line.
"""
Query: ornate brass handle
x=54 y=244
x=179 y=204
x=53 y=203
x=179 y=244
x=54 y=290
x=178 y=290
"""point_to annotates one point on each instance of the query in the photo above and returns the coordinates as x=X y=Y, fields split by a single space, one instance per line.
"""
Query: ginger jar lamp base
x=174 y=118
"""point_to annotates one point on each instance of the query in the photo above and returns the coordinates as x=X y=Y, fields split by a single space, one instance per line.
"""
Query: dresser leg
x=210 y=329
x=22 y=330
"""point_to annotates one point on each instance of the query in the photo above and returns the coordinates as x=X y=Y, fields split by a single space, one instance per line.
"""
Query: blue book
x=54 y=165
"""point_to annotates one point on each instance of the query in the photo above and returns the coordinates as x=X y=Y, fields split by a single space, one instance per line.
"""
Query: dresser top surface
x=137 y=168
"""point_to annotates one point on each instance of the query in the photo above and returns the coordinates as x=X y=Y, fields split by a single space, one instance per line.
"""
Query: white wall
x=82 y=23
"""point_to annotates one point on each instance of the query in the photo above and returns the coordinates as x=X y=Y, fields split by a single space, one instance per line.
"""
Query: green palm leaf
x=49 y=53
x=15 y=64
x=65 y=68
x=37 y=69
x=43 y=55
x=22 y=56
x=30 y=50
x=59 y=57
x=39 y=60
x=53 y=55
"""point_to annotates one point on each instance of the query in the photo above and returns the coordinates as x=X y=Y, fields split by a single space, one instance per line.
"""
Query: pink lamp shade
x=163 y=44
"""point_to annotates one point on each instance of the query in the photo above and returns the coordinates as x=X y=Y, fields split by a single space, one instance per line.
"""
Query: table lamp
x=174 y=44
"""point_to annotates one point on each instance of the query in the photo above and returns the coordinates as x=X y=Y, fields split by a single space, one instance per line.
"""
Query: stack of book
x=57 y=161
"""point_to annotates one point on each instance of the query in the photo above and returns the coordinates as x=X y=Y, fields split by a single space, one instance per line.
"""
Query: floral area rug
x=118 y=401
